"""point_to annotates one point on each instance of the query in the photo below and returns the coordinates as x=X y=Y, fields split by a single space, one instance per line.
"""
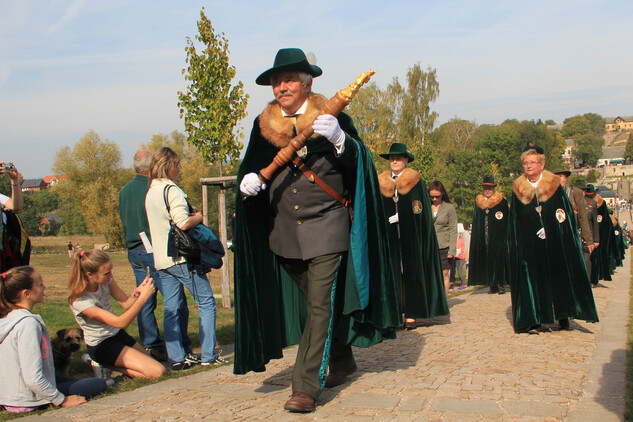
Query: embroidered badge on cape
x=617 y=233
x=599 y=218
x=499 y=215
x=560 y=215
x=417 y=207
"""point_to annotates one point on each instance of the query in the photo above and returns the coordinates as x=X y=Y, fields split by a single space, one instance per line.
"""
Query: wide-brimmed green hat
x=398 y=148
x=581 y=183
x=530 y=146
x=489 y=182
x=286 y=60
x=590 y=190
x=560 y=169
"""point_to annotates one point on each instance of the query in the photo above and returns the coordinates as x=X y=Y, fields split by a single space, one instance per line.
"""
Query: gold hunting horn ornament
x=334 y=106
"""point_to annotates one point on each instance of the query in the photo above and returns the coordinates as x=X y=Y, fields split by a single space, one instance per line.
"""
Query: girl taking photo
x=92 y=289
x=27 y=367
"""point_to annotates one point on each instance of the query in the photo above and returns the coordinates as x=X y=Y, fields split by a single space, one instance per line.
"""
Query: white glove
x=394 y=219
x=327 y=125
x=541 y=233
x=251 y=185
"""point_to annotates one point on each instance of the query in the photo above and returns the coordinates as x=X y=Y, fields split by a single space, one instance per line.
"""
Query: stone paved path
x=471 y=367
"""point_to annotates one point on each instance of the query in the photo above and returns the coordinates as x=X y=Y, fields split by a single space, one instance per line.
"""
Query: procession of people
x=329 y=253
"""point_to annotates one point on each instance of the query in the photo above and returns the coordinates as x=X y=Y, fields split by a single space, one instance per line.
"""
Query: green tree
x=416 y=118
x=588 y=148
x=628 y=152
x=582 y=125
x=94 y=173
x=374 y=117
x=211 y=106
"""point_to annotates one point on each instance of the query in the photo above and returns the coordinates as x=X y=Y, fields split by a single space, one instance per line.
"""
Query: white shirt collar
x=301 y=110
x=394 y=175
x=535 y=183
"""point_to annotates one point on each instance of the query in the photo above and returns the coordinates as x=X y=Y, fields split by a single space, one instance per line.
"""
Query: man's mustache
x=283 y=94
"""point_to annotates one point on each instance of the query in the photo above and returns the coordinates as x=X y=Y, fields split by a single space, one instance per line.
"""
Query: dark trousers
x=314 y=278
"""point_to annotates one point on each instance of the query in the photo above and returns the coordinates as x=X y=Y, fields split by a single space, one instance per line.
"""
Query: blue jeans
x=147 y=326
x=172 y=279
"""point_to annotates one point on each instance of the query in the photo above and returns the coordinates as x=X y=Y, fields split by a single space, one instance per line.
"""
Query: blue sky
x=68 y=66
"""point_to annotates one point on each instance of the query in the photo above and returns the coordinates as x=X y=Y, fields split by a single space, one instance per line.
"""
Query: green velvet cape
x=489 y=266
x=270 y=310
x=416 y=248
x=549 y=280
x=601 y=257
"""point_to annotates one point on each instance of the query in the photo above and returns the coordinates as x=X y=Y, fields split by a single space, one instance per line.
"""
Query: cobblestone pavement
x=471 y=367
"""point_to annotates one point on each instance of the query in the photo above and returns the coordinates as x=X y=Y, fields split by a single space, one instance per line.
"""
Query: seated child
x=92 y=288
x=27 y=365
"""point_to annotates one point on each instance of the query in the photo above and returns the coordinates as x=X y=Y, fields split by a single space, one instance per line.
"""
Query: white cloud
x=70 y=14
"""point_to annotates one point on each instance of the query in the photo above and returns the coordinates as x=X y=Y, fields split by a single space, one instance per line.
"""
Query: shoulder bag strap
x=313 y=178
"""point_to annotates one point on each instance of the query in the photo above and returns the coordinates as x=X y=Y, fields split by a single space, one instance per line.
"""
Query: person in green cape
x=489 y=253
x=305 y=272
x=412 y=236
x=548 y=277
x=601 y=257
x=594 y=229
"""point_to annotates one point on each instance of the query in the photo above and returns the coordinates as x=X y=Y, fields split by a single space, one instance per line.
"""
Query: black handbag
x=179 y=243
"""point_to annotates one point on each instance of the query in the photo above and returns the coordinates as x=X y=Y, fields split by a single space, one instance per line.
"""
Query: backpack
x=15 y=245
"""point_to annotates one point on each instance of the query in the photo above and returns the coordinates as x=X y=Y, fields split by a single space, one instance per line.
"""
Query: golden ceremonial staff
x=334 y=106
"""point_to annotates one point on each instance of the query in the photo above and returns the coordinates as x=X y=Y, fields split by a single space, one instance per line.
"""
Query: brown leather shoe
x=338 y=377
x=300 y=403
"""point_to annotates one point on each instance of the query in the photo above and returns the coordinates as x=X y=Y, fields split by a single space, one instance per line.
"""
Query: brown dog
x=67 y=342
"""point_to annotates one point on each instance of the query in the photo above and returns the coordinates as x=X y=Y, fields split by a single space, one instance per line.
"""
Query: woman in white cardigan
x=174 y=271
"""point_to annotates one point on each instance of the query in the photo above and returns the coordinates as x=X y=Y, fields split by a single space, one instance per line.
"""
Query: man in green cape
x=601 y=258
x=548 y=277
x=412 y=236
x=489 y=253
x=304 y=270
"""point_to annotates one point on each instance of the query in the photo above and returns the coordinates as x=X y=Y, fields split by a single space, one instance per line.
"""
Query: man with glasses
x=548 y=277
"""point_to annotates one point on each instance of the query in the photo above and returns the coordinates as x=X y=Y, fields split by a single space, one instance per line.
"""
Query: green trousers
x=314 y=278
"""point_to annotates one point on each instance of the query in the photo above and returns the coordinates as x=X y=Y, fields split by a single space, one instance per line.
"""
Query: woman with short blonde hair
x=548 y=279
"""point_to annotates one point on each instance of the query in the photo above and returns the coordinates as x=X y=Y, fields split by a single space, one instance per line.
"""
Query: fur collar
x=405 y=182
x=487 y=203
x=598 y=199
x=545 y=189
x=277 y=129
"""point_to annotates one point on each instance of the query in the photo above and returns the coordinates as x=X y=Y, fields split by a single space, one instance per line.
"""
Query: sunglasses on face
x=435 y=196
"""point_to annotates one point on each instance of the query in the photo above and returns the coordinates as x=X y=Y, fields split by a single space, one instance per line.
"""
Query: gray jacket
x=305 y=221
x=446 y=227
x=27 y=364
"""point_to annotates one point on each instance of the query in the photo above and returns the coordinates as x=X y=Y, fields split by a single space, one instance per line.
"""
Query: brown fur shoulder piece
x=405 y=182
x=544 y=190
x=599 y=200
x=486 y=203
x=277 y=129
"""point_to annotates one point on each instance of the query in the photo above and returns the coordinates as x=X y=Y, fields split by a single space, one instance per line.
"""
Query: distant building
x=33 y=184
x=614 y=124
x=53 y=180
x=41 y=184
x=45 y=222
x=611 y=156
x=608 y=195
x=568 y=155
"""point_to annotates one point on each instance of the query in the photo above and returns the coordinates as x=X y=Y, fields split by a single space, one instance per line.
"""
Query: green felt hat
x=560 y=169
x=398 y=149
x=536 y=148
x=489 y=182
x=287 y=60
x=581 y=184
x=590 y=190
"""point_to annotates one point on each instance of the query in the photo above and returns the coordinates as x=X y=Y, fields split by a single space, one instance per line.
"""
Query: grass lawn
x=50 y=258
